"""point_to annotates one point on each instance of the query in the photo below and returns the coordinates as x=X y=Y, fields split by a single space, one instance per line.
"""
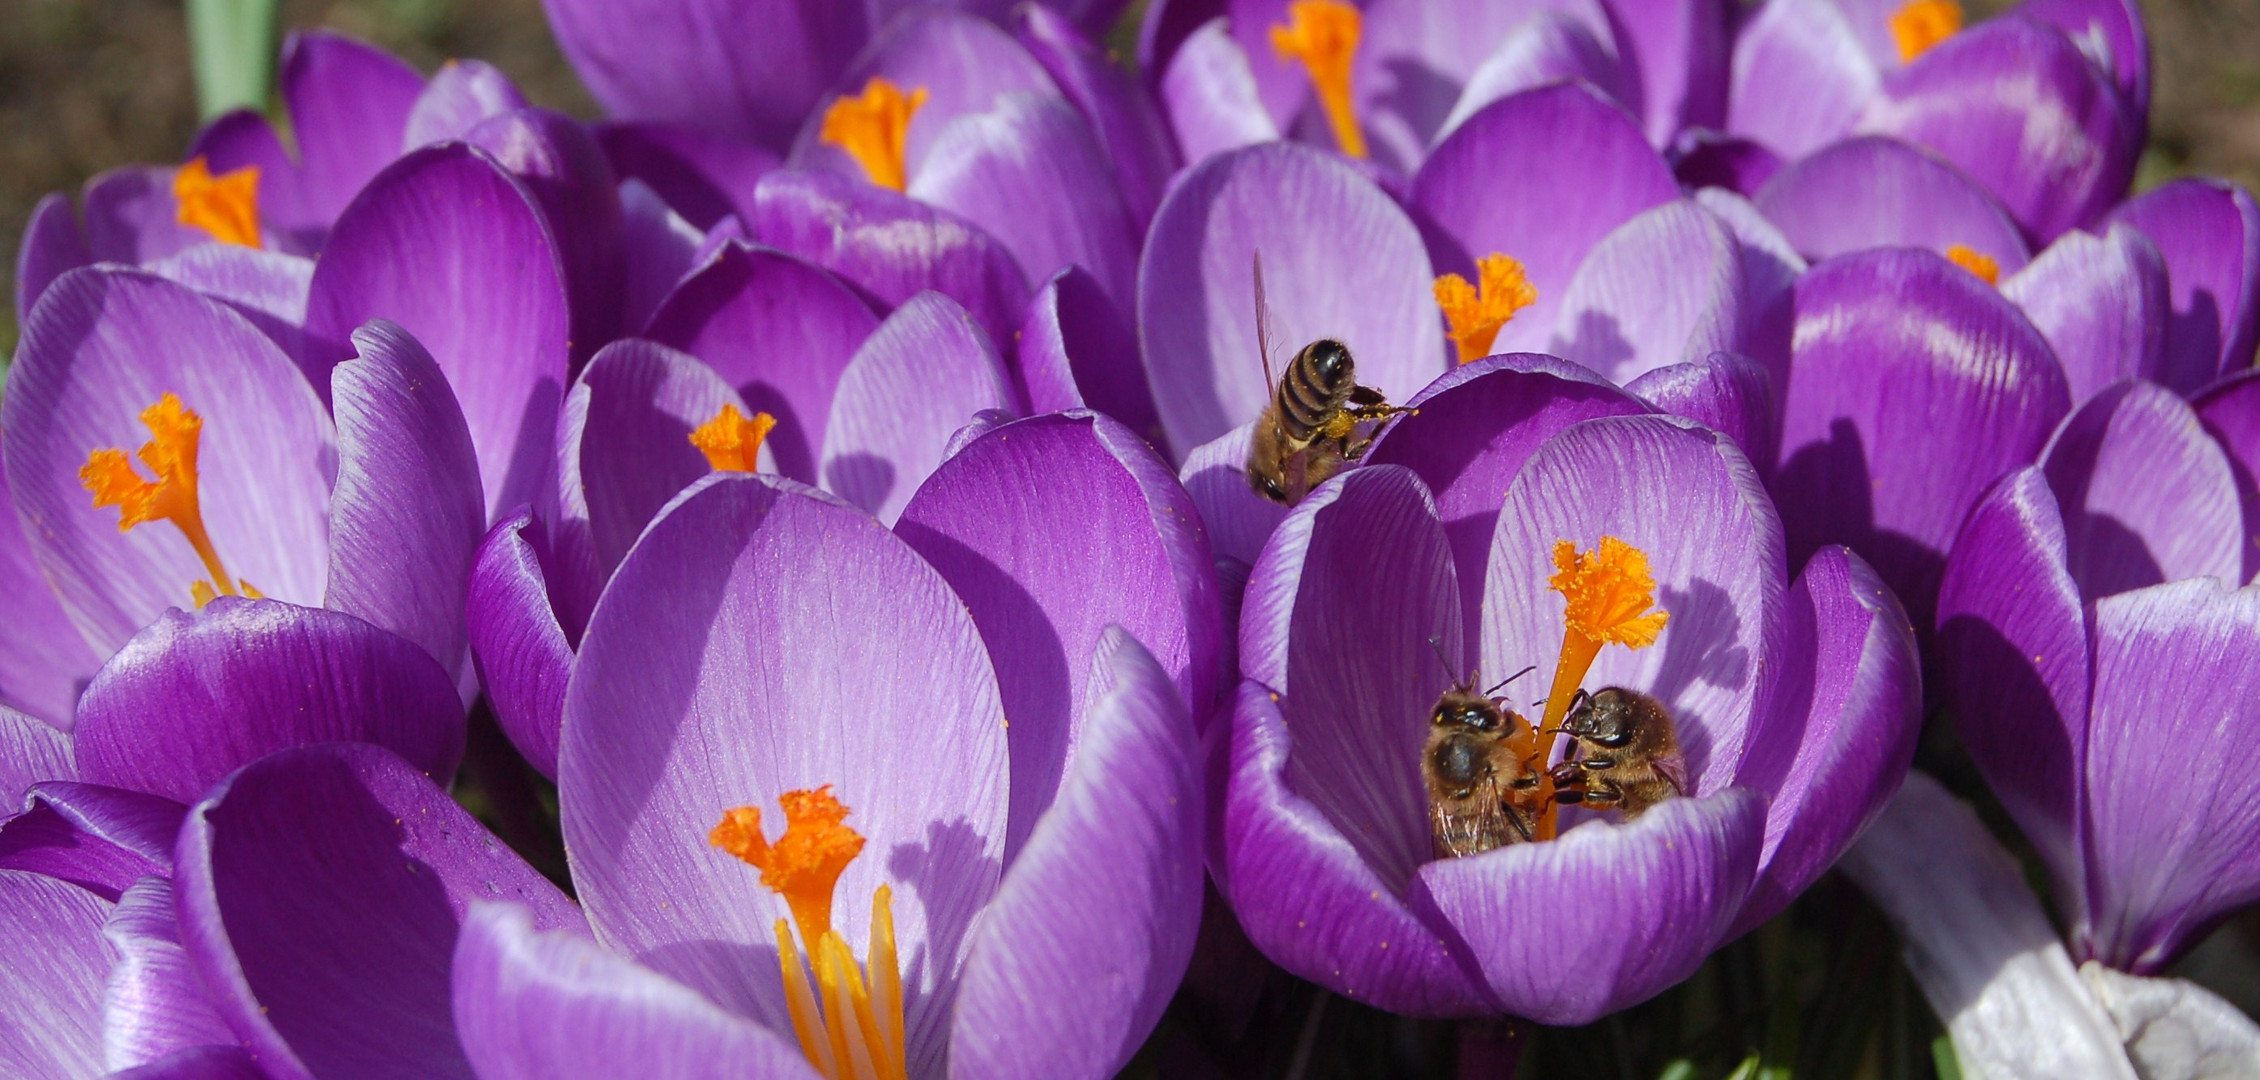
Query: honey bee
x=1625 y=758
x=1308 y=430
x=1481 y=767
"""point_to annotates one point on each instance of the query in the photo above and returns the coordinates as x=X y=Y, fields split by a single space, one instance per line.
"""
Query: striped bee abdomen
x=1317 y=384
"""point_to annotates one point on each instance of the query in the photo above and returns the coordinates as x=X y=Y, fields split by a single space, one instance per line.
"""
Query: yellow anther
x=226 y=206
x=1477 y=312
x=873 y=127
x=730 y=441
x=1975 y=262
x=170 y=454
x=850 y=1021
x=1919 y=25
x=1323 y=34
x=1607 y=594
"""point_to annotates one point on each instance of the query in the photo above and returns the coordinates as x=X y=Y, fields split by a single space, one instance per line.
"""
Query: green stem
x=233 y=43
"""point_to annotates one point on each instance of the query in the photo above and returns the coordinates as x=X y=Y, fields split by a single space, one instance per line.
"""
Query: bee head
x=1472 y=715
x=1606 y=718
x=1268 y=486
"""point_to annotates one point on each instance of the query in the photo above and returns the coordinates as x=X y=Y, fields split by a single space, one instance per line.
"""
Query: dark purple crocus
x=1795 y=702
x=2091 y=627
x=995 y=697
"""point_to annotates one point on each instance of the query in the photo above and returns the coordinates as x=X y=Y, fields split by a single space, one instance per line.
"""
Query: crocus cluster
x=840 y=472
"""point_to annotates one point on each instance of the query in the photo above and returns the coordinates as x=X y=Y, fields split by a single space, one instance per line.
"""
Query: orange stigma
x=1323 y=34
x=226 y=206
x=1608 y=594
x=850 y=1022
x=1477 y=312
x=1975 y=262
x=874 y=127
x=1919 y=25
x=730 y=441
x=170 y=453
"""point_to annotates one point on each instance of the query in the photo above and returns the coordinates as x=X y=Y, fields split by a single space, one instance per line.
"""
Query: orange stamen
x=226 y=206
x=170 y=454
x=873 y=127
x=730 y=441
x=1477 y=312
x=1919 y=25
x=1324 y=34
x=1607 y=594
x=1976 y=262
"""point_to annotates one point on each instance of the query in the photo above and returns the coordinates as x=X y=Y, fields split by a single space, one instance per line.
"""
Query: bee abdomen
x=1317 y=382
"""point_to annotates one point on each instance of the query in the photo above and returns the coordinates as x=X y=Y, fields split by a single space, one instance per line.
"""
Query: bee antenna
x=1436 y=645
x=1501 y=684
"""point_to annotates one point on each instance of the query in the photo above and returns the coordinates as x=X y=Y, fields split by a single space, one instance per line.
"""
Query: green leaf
x=1945 y=1058
x=233 y=43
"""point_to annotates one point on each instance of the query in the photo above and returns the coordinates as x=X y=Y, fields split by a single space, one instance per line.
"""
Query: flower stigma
x=730 y=441
x=1477 y=312
x=874 y=127
x=1919 y=25
x=170 y=453
x=1976 y=262
x=850 y=1023
x=1608 y=595
x=1323 y=34
x=226 y=206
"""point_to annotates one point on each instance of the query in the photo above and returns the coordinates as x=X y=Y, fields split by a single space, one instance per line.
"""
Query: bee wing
x=1263 y=327
x=1673 y=768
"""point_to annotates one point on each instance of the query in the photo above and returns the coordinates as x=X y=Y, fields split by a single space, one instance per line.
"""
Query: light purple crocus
x=2093 y=636
x=1795 y=702
x=998 y=691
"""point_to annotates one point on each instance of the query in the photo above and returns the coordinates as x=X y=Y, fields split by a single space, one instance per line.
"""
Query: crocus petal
x=1052 y=530
x=2012 y=643
x=2021 y=110
x=1551 y=47
x=51 y=245
x=101 y=839
x=2209 y=233
x=1726 y=392
x=320 y=894
x=1840 y=712
x=193 y=697
x=1914 y=385
x=44 y=661
x=1638 y=905
x=131 y=216
x=2231 y=412
x=1682 y=50
x=2175 y=665
x=1030 y=174
x=1238 y=519
x=31 y=751
x=51 y=1004
x=446 y=244
x=1312 y=219
x=1476 y=427
x=2102 y=303
x=1580 y=167
x=1664 y=288
x=267 y=287
x=695 y=692
x=407 y=512
x=966 y=64
x=2111 y=33
x=1801 y=77
x=199 y=1063
x=522 y=653
x=2174 y=1027
x=779 y=330
x=1126 y=119
x=1702 y=159
x=748 y=71
x=154 y=1005
x=1029 y=1005
x=1874 y=192
x=1978 y=943
x=348 y=103
x=1415 y=61
x=1075 y=349
x=1305 y=893
x=657 y=247
x=531 y=1005
x=919 y=377
x=461 y=95
x=1349 y=617
x=703 y=177
x=890 y=244
x=105 y=344
x=2146 y=494
x=564 y=169
x=1210 y=94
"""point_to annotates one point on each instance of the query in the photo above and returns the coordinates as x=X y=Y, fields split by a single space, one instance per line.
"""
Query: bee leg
x=1366 y=395
x=1597 y=764
x=1608 y=793
x=1522 y=828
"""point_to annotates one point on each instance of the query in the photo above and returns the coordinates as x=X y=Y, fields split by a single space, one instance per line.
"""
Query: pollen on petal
x=1919 y=25
x=1976 y=262
x=225 y=206
x=805 y=862
x=874 y=128
x=731 y=441
x=1609 y=592
x=1323 y=35
x=1477 y=312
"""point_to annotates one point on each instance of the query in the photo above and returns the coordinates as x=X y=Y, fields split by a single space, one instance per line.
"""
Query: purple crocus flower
x=996 y=696
x=2044 y=105
x=1795 y=703
x=2090 y=616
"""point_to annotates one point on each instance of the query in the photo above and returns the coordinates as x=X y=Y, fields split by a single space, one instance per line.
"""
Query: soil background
x=87 y=85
